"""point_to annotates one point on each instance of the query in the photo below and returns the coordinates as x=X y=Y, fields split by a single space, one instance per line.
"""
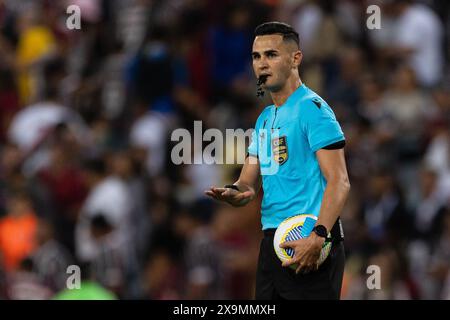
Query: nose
x=262 y=64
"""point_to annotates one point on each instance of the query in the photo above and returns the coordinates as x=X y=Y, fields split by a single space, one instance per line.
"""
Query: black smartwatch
x=321 y=231
x=232 y=186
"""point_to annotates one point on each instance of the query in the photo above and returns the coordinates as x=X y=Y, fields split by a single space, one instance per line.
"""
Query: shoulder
x=312 y=106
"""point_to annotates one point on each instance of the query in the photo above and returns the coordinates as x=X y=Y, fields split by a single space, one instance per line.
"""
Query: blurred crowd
x=86 y=116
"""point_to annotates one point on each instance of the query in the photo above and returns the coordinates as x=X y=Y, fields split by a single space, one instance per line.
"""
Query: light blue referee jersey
x=285 y=140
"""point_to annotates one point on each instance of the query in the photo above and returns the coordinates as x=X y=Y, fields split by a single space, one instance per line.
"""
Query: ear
x=297 y=59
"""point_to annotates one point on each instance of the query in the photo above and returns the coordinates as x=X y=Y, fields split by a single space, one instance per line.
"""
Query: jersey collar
x=297 y=94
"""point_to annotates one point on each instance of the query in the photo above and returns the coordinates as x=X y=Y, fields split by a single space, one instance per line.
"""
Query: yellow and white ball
x=290 y=230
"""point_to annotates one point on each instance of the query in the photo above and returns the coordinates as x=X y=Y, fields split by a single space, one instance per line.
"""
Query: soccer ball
x=294 y=228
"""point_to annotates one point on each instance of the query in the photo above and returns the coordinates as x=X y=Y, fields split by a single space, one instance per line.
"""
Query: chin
x=268 y=85
x=272 y=88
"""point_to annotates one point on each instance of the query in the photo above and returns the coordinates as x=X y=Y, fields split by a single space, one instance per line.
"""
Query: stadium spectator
x=50 y=259
x=17 y=230
x=86 y=118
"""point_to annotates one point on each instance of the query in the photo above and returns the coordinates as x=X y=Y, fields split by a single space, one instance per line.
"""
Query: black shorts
x=274 y=282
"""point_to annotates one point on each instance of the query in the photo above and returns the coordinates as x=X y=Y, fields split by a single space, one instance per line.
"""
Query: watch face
x=321 y=231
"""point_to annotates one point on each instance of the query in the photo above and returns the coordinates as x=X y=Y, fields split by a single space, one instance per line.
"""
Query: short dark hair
x=275 y=27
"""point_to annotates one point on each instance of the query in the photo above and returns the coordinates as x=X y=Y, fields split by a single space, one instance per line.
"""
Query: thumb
x=247 y=194
x=286 y=244
x=244 y=195
x=288 y=263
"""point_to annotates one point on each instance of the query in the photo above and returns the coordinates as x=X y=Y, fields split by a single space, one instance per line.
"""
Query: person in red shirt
x=17 y=231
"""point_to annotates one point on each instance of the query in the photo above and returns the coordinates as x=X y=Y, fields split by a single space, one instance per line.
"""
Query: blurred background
x=85 y=123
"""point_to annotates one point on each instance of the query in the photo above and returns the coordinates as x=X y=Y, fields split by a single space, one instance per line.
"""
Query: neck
x=280 y=97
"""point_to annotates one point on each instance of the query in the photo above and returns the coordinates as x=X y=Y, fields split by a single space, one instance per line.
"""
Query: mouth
x=262 y=78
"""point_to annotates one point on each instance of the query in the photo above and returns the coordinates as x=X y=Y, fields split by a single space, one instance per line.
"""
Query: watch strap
x=231 y=186
x=321 y=231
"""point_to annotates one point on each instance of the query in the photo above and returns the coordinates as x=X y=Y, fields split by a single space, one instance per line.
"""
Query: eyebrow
x=265 y=52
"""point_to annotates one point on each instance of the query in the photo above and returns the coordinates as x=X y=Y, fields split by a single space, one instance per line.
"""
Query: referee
x=298 y=136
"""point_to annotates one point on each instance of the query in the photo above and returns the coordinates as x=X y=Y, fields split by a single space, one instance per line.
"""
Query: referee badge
x=279 y=149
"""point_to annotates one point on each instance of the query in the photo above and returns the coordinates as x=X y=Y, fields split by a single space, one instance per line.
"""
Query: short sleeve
x=320 y=125
x=253 y=147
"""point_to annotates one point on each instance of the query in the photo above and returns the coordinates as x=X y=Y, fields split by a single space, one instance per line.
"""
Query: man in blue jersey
x=297 y=154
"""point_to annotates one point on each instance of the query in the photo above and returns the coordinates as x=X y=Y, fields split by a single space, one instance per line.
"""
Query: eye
x=271 y=54
x=255 y=56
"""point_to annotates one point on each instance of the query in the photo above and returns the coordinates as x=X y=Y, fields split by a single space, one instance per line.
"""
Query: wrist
x=320 y=232
x=319 y=240
x=232 y=186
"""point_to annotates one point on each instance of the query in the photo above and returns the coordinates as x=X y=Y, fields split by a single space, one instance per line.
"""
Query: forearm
x=249 y=179
x=333 y=202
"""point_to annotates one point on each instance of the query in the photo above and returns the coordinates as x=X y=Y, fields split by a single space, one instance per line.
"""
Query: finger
x=305 y=269
x=302 y=267
x=297 y=258
x=288 y=262
x=299 y=244
x=311 y=263
x=217 y=193
x=221 y=195
x=287 y=244
x=211 y=194
x=229 y=193
x=219 y=190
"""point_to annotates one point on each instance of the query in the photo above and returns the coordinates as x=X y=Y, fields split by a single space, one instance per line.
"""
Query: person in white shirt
x=109 y=196
x=418 y=38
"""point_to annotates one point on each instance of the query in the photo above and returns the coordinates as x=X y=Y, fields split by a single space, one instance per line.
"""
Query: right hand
x=233 y=197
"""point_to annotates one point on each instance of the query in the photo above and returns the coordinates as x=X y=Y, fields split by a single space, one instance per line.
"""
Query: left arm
x=307 y=250
x=332 y=165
